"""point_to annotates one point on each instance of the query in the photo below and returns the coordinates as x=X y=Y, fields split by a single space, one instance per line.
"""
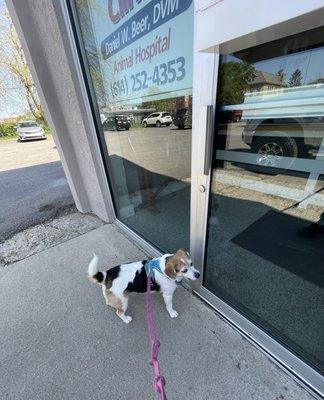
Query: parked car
x=117 y=123
x=183 y=118
x=30 y=130
x=157 y=119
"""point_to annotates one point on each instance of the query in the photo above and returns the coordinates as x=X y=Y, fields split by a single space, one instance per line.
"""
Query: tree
x=296 y=78
x=282 y=76
x=235 y=79
x=13 y=62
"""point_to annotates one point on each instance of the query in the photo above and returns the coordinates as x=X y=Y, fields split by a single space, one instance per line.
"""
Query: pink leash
x=159 y=381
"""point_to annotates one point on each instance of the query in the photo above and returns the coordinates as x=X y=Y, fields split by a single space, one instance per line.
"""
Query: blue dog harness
x=151 y=265
x=154 y=264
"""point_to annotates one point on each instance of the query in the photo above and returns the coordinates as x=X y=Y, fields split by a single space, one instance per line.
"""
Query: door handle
x=209 y=139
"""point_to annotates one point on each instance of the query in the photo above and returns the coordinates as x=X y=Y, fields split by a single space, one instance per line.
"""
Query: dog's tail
x=93 y=273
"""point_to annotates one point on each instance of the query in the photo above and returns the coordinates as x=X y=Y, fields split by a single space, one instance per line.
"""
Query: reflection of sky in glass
x=316 y=65
x=309 y=62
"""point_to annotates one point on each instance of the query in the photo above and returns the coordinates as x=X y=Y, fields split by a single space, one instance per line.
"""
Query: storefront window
x=139 y=55
x=265 y=253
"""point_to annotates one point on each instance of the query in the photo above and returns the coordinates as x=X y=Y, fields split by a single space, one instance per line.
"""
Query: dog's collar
x=154 y=264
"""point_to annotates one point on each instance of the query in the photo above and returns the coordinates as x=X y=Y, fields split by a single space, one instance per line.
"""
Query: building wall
x=252 y=25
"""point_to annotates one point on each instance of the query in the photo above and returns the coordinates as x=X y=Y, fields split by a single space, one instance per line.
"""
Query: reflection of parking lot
x=150 y=169
x=165 y=150
x=279 y=191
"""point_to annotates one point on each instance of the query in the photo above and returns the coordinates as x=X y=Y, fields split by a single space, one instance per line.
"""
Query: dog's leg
x=168 y=303
x=121 y=312
x=120 y=304
x=105 y=294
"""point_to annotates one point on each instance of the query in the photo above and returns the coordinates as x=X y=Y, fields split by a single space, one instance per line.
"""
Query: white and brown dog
x=119 y=281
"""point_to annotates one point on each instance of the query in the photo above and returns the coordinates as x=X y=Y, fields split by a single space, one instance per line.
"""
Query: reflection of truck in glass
x=286 y=122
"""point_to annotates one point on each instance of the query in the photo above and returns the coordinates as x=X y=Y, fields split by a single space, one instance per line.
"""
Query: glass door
x=138 y=67
x=265 y=230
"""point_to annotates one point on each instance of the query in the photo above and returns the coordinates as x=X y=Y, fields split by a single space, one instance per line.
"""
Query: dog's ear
x=182 y=253
x=172 y=266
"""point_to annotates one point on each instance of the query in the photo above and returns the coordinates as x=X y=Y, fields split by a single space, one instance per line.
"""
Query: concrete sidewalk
x=59 y=340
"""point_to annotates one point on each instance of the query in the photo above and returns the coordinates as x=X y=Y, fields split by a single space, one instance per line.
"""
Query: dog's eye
x=185 y=270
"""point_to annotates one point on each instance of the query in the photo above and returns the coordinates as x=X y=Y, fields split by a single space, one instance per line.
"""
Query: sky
x=12 y=101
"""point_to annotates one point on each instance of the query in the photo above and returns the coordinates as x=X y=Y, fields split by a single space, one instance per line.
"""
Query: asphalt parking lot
x=14 y=155
x=33 y=185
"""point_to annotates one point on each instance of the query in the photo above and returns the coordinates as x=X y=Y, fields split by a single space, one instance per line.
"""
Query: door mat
x=275 y=238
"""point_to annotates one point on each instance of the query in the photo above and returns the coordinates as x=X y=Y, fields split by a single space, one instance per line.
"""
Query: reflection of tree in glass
x=85 y=8
x=282 y=76
x=160 y=105
x=296 y=78
x=235 y=79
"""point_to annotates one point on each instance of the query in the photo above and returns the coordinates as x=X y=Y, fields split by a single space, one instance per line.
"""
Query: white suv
x=157 y=119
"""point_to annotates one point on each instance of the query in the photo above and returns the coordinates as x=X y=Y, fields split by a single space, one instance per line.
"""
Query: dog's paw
x=173 y=314
x=127 y=319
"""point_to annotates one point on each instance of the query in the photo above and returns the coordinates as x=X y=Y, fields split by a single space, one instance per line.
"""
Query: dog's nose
x=197 y=274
